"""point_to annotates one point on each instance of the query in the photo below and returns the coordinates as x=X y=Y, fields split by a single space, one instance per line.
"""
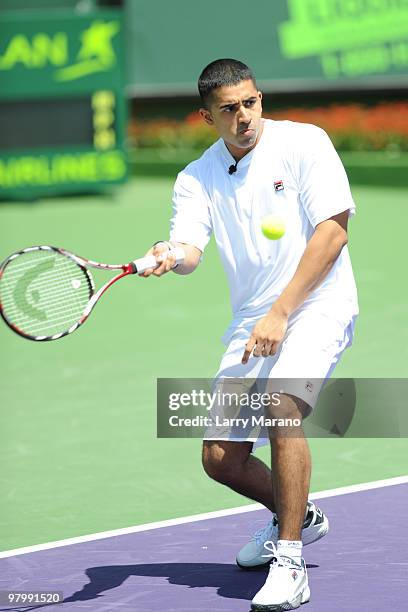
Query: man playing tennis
x=294 y=300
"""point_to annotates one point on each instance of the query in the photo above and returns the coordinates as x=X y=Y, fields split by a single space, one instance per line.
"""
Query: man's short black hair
x=221 y=73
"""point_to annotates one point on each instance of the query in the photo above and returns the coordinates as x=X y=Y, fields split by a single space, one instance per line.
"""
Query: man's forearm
x=321 y=252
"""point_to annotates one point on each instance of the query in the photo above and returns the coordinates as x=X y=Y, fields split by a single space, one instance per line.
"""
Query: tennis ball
x=273 y=227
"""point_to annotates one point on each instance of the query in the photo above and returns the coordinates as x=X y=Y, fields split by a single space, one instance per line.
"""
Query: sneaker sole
x=252 y=567
x=287 y=605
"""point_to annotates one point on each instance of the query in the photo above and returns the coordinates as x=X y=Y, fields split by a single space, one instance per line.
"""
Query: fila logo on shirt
x=279 y=186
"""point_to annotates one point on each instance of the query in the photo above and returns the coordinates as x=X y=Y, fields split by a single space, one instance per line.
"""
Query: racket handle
x=144 y=263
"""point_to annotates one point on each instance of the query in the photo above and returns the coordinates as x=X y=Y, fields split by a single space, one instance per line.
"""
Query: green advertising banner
x=62 y=103
x=58 y=53
x=292 y=45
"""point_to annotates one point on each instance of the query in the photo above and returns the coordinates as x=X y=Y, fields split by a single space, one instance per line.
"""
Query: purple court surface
x=360 y=566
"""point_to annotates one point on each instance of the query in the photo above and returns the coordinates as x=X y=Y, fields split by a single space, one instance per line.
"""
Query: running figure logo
x=96 y=53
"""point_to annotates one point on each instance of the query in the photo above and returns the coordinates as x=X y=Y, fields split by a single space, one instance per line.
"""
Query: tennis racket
x=47 y=293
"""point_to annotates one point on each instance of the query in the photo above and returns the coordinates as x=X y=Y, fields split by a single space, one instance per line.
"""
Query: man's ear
x=206 y=115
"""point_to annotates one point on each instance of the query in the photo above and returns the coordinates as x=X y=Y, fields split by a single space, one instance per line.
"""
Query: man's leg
x=291 y=464
x=232 y=464
x=286 y=586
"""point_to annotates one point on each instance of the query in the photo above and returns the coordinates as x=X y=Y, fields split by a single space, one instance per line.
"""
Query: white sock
x=290 y=548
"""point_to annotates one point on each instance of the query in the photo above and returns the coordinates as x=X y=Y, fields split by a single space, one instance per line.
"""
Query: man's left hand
x=266 y=336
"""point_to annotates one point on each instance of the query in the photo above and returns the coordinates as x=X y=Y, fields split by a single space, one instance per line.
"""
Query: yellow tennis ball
x=273 y=227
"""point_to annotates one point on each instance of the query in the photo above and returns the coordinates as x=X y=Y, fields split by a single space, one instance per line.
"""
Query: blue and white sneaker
x=315 y=526
x=286 y=586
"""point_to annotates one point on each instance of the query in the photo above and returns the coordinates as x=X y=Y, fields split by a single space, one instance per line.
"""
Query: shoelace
x=273 y=552
x=276 y=557
x=264 y=533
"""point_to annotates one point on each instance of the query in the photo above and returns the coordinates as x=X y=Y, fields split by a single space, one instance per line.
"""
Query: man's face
x=235 y=112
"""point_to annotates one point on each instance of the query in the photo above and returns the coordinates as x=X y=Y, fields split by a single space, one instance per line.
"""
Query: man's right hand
x=166 y=262
x=192 y=257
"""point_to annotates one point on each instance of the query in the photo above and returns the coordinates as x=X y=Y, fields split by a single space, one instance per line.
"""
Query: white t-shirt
x=207 y=199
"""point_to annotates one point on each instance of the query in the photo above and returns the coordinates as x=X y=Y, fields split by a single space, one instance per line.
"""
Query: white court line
x=365 y=486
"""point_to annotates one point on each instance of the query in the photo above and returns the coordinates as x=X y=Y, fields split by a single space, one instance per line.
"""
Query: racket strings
x=44 y=293
x=49 y=305
x=37 y=322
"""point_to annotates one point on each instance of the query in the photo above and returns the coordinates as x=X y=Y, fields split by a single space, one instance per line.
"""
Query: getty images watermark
x=223 y=409
x=219 y=403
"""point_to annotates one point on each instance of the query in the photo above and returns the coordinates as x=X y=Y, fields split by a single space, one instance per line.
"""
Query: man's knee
x=222 y=461
x=288 y=407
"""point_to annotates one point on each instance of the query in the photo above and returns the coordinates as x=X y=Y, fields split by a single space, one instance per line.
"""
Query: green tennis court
x=79 y=452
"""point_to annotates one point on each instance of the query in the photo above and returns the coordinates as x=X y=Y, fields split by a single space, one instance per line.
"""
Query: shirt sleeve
x=191 y=221
x=324 y=186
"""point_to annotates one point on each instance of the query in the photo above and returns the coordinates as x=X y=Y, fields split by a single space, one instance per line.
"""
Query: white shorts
x=306 y=358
